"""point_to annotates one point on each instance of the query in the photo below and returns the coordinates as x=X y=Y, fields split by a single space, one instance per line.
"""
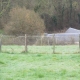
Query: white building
x=71 y=36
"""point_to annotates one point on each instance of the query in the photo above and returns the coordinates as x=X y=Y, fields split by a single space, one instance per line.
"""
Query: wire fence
x=40 y=44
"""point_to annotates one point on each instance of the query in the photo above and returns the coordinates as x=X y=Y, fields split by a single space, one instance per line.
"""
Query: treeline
x=23 y=16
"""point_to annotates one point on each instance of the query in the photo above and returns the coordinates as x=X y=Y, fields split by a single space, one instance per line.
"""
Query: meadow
x=39 y=65
x=62 y=49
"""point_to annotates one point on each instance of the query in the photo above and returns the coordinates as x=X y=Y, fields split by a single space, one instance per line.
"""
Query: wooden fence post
x=25 y=43
x=48 y=41
x=41 y=40
x=0 y=45
x=79 y=42
x=54 y=44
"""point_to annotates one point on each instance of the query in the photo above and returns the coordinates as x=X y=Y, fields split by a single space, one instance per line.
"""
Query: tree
x=61 y=14
x=4 y=6
x=24 y=21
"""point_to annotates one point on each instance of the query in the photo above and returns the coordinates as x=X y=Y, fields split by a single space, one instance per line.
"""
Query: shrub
x=24 y=21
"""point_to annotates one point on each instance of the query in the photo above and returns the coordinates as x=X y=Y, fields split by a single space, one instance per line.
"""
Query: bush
x=24 y=21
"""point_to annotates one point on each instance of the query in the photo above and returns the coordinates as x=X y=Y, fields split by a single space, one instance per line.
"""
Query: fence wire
x=41 y=44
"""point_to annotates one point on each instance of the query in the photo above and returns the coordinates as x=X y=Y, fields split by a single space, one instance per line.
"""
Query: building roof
x=72 y=30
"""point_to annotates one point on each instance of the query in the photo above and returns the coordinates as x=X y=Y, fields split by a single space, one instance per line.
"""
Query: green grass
x=39 y=66
x=66 y=49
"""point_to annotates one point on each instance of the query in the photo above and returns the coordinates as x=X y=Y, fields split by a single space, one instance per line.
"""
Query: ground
x=62 y=49
x=38 y=66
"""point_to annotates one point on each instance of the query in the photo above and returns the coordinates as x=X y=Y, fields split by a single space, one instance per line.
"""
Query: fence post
x=0 y=45
x=54 y=44
x=48 y=41
x=41 y=40
x=79 y=42
x=25 y=43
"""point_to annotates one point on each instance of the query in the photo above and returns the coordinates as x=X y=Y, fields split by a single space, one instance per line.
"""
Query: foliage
x=24 y=21
x=61 y=14
x=4 y=9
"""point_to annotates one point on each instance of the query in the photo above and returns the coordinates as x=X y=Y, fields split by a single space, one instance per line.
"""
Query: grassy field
x=65 y=49
x=39 y=66
x=39 y=63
